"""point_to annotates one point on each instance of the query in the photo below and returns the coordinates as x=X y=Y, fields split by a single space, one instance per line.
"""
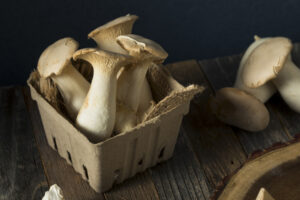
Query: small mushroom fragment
x=237 y=108
x=272 y=61
x=105 y=36
x=55 y=62
x=264 y=195
x=130 y=83
x=54 y=193
x=264 y=92
x=96 y=117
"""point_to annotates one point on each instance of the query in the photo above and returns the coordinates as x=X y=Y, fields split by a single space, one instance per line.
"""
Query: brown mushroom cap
x=112 y=25
x=266 y=61
x=56 y=57
x=237 y=108
x=145 y=49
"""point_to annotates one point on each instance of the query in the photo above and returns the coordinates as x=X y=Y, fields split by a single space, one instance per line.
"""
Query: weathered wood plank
x=138 y=187
x=221 y=72
x=182 y=177
x=74 y=187
x=21 y=171
x=215 y=144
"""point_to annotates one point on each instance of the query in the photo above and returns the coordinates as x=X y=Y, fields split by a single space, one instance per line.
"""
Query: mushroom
x=55 y=62
x=264 y=92
x=96 y=117
x=54 y=193
x=235 y=107
x=272 y=61
x=105 y=35
x=264 y=195
x=130 y=83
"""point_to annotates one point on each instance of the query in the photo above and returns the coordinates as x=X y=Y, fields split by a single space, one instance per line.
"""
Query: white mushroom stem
x=288 y=84
x=264 y=92
x=73 y=87
x=130 y=83
x=97 y=115
x=146 y=101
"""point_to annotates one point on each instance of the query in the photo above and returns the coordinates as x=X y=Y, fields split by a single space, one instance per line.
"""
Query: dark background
x=186 y=29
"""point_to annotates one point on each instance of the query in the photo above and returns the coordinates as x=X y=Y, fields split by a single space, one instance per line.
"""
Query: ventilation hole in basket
x=141 y=161
x=85 y=172
x=54 y=142
x=161 y=153
x=69 y=157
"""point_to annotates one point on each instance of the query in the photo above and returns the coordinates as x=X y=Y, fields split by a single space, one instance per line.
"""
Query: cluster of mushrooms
x=265 y=67
x=119 y=95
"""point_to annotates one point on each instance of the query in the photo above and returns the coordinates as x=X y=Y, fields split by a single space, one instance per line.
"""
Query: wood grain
x=21 y=172
x=214 y=143
x=182 y=177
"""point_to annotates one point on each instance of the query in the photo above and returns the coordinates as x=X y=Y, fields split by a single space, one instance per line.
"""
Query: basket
x=122 y=156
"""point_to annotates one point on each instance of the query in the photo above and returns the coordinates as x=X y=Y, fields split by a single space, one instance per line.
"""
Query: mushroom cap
x=106 y=59
x=142 y=48
x=120 y=21
x=257 y=41
x=56 y=57
x=266 y=61
x=237 y=108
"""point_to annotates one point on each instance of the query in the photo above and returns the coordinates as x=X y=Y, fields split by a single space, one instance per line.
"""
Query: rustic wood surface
x=21 y=170
x=206 y=154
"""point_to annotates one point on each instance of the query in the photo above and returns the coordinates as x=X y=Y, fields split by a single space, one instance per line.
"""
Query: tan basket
x=122 y=156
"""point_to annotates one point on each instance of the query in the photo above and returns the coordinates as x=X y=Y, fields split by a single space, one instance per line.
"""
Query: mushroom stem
x=55 y=62
x=264 y=92
x=73 y=88
x=97 y=115
x=130 y=83
x=288 y=84
x=146 y=101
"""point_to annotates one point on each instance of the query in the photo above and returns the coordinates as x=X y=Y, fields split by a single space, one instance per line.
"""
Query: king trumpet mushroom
x=144 y=52
x=105 y=35
x=235 y=107
x=96 y=117
x=272 y=61
x=264 y=92
x=55 y=62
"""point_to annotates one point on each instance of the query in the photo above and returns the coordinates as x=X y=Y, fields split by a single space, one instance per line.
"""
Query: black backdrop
x=186 y=29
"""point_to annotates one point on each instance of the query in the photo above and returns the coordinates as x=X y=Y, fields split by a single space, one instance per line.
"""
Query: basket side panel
x=63 y=137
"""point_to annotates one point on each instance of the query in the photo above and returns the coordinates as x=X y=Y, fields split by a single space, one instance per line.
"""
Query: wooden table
x=206 y=154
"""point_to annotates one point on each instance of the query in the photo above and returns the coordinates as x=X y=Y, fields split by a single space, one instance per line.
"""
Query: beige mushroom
x=264 y=92
x=55 y=62
x=264 y=195
x=96 y=117
x=272 y=61
x=130 y=83
x=105 y=36
x=237 y=108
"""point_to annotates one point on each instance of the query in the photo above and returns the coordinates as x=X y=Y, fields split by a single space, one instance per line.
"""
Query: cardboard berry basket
x=123 y=155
